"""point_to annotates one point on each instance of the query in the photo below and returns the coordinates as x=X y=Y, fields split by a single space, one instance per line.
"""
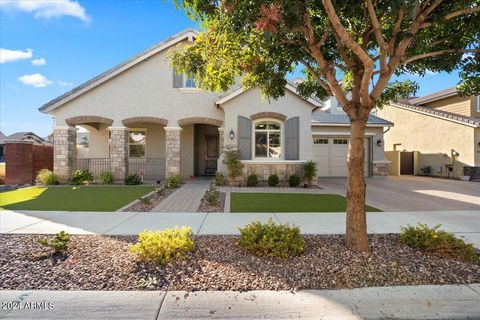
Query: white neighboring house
x=143 y=117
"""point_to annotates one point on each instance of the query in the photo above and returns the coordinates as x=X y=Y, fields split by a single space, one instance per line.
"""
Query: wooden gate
x=406 y=163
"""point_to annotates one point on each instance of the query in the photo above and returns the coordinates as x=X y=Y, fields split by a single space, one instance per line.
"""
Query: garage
x=330 y=153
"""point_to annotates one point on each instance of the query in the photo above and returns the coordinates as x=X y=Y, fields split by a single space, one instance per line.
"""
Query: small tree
x=310 y=171
x=350 y=49
x=232 y=161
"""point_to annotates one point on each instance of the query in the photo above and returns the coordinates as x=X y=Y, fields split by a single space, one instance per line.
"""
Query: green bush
x=438 y=242
x=219 y=179
x=80 y=177
x=271 y=239
x=273 y=180
x=252 y=180
x=145 y=200
x=107 y=177
x=59 y=243
x=310 y=171
x=232 y=161
x=46 y=177
x=161 y=247
x=174 y=181
x=294 y=180
x=212 y=195
x=133 y=179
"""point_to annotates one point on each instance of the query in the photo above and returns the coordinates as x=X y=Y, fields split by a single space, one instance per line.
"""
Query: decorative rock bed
x=219 y=207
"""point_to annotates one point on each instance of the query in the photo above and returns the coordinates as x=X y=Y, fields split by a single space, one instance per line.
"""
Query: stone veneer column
x=221 y=140
x=64 y=152
x=172 y=141
x=119 y=152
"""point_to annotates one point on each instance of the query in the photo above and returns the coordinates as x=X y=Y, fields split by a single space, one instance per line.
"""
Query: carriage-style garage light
x=379 y=142
x=232 y=134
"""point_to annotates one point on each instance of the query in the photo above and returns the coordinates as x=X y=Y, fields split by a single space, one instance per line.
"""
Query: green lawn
x=288 y=202
x=105 y=198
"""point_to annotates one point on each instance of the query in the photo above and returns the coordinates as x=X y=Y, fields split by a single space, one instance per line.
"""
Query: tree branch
x=436 y=53
x=317 y=77
x=454 y=15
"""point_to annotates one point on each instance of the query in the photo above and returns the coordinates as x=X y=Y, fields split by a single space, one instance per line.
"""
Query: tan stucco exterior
x=465 y=106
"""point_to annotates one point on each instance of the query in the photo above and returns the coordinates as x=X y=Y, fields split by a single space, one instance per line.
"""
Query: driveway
x=411 y=193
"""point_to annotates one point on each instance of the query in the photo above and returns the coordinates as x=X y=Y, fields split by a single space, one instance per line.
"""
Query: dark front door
x=406 y=163
x=211 y=156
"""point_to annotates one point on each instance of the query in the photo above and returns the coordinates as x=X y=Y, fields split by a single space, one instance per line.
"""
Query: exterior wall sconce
x=379 y=143
x=232 y=134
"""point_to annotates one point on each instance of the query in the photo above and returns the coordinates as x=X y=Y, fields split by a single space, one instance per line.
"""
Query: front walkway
x=187 y=198
x=465 y=224
x=405 y=302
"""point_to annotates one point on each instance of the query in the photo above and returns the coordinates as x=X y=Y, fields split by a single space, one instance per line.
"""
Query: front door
x=211 y=156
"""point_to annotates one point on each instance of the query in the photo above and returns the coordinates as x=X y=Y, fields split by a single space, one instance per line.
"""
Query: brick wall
x=23 y=160
x=42 y=158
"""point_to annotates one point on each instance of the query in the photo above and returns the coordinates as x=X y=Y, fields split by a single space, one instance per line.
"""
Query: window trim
x=282 y=144
x=478 y=103
x=145 y=144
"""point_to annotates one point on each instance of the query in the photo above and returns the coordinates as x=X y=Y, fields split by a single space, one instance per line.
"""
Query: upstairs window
x=190 y=83
x=268 y=140
x=136 y=144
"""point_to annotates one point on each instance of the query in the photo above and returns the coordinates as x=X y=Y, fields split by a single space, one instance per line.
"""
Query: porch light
x=379 y=143
x=232 y=134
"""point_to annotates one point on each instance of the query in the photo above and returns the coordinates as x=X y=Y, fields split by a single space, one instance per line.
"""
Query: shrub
x=294 y=180
x=212 y=195
x=273 y=180
x=174 y=181
x=46 y=177
x=133 y=179
x=219 y=179
x=160 y=191
x=161 y=247
x=81 y=177
x=107 y=177
x=232 y=161
x=271 y=239
x=252 y=180
x=59 y=243
x=438 y=242
x=145 y=200
x=310 y=171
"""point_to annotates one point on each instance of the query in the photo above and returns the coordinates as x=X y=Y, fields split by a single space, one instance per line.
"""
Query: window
x=340 y=141
x=136 y=144
x=190 y=82
x=320 y=141
x=268 y=140
x=478 y=103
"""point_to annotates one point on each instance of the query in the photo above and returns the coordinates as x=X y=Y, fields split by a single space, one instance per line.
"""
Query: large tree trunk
x=356 y=233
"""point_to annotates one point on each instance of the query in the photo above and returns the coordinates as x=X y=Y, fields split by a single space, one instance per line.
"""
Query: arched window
x=268 y=139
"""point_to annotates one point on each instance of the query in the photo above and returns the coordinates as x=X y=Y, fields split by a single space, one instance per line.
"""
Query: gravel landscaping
x=103 y=263
x=155 y=199
x=219 y=207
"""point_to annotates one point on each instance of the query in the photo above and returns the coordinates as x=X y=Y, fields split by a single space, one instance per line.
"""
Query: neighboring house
x=21 y=136
x=142 y=117
x=437 y=135
x=2 y=146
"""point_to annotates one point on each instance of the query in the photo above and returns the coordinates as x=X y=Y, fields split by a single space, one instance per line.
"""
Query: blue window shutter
x=177 y=79
x=244 y=138
x=292 y=143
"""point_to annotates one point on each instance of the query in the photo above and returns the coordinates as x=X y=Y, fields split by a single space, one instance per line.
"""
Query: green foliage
x=310 y=171
x=273 y=180
x=107 y=177
x=174 y=181
x=438 y=242
x=59 y=243
x=161 y=247
x=271 y=239
x=212 y=195
x=133 y=179
x=470 y=75
x=294 y=180
x=219 y=179
x=252 y=180
x=46 y=177
x=80 y=177
x=145 y=200
x=396 y=91
x=232 y=161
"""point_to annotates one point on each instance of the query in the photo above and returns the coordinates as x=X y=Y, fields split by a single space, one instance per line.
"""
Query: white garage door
x=331 y=156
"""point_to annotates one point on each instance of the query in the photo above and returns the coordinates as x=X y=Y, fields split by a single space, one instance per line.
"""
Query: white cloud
x=38 y=62
x=35 y=80
x=65 y=83
x=7 y=55
x=47 y=9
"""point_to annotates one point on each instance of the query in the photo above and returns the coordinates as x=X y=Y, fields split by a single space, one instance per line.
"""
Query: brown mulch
x=219 y=207
x=155 y=199
x=97 y=262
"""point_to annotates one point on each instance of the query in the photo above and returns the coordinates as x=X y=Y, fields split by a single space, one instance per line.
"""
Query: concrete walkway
x=187 y=198
x=465 y=224
x=409 y=302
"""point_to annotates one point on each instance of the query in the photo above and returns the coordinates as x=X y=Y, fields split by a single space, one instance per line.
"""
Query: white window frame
x=282 y=145
x=144 y=130
x=184 y=87
x=478 y=103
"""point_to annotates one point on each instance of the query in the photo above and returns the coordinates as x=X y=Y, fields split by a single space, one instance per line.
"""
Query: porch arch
x=132 y=120
x=92 y=121
x=272 y=115
x=199 y=120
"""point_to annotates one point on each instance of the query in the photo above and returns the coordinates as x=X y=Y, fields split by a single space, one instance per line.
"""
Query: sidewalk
x=465 y=224
x=409 y=302
x=185 y=199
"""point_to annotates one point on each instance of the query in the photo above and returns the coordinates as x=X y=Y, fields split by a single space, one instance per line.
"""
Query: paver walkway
x=186 y=198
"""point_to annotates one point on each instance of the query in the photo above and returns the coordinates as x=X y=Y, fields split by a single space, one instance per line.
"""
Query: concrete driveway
x=410 y=193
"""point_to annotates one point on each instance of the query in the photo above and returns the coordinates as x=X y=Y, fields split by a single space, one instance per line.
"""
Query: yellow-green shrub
x=271 y=239
x=163 y=246
x=438 y=242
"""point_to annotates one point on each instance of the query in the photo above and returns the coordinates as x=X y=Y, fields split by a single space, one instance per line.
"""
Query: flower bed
x=219 y=207
x=155 y=199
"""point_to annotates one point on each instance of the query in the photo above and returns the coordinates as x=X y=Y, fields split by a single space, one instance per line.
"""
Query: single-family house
x=143 y=117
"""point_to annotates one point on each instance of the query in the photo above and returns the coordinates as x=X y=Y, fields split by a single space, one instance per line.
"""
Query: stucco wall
x=432 y=137
x=98 y=142
x=186 y=151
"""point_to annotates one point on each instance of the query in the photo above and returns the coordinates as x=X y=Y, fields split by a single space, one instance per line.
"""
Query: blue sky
x=78 y=40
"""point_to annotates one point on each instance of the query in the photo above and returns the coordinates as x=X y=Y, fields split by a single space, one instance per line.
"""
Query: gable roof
x=23 y=136
x=465 y=120
x=450 y=92
x=325 y=118
x=92 y=83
